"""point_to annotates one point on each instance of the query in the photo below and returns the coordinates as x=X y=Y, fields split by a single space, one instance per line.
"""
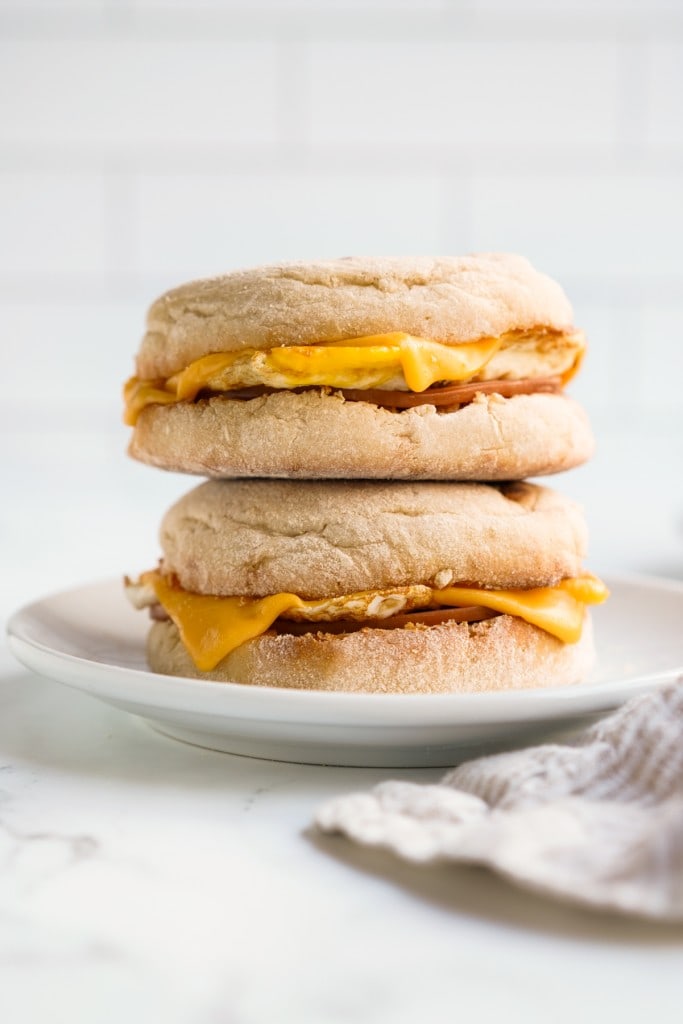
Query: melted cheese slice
x=212 y=627
x=368 y=362
x=557 y=610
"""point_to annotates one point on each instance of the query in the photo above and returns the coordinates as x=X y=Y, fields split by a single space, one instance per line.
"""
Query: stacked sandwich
x=367 y=425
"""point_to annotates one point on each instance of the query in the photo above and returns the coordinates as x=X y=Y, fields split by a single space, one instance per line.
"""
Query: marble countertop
x=142 y=879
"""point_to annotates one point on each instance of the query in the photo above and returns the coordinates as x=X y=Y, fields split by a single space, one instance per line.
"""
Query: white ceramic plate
x=91 y=639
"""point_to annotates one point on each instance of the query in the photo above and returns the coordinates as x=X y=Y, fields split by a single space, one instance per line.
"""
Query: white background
x=145 y=142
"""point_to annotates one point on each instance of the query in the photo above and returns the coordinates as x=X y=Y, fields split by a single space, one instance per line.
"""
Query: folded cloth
x=597 y=822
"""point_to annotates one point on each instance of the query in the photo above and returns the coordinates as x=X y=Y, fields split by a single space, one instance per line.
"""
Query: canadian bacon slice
x=433 y=617
x=454 y=394
x=449 y=394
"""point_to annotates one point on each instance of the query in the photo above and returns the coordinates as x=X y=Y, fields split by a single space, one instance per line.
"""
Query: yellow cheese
x=421 y=362
x=138 y=394
x=212 y=627
x=368 y=362
x=426 y=362
x=557 y=610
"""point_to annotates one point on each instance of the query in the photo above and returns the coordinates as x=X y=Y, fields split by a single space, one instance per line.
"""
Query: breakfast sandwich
x=443 y=369
x=371 y=587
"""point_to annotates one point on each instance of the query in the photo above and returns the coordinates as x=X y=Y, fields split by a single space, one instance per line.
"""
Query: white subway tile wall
x=664 y=92
x=118 y=94
x=146 y=142
x=195 y=224
x=52 y=223
x=463 y=93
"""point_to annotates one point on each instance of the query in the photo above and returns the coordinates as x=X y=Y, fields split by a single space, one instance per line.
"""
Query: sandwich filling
x=211 y=627
x=382 y=368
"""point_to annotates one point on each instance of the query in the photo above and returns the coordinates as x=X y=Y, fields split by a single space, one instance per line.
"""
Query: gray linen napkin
x=598 y=822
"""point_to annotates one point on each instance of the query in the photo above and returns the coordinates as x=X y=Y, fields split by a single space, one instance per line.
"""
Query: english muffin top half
x=329 y=538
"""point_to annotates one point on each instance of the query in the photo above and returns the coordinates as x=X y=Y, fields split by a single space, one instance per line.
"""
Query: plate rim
x=280 y=704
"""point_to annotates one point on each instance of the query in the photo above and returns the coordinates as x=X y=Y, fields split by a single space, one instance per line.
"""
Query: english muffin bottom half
x=450 y=368
x=371 y=587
